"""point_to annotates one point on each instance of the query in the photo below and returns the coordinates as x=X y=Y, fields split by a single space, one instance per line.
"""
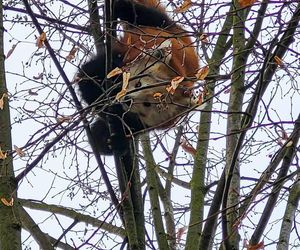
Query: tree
x=226 y=178
x=10 y=226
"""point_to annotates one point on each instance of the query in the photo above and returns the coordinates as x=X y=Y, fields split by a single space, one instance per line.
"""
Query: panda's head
x=151 y=72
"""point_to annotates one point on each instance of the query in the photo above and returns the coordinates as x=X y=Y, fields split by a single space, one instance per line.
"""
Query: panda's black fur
x=96 y=91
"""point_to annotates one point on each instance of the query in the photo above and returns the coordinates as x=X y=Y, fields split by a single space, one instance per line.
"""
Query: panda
x=153 y=50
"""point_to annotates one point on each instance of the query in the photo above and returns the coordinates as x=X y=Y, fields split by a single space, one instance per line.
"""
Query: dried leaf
x=41 y=39
x=174 y=84
x=157 y=95
x=284 y=135
x=114 y=72
x=279 y=142
x=278 y=61
x=175 y=81
x=126 y=76
x=203 y=38
x=258 y=246
x=2 y=101
x=72 y=54
x=170 y=90
x=188 y=147
x=19 y=151
x=184 y=7
x=227 y=91
x=8 y=203
x=30 y=92
x=202 y=73
x=39 y=76
x=64 y=119
x=121 y=94
x=11 y=51
x=2 y=154
x=246 y=3
x=38 y=53
x=180 y=233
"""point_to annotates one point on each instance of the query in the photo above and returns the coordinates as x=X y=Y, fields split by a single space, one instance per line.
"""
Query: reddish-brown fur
x=184 y=58
x=183 y=62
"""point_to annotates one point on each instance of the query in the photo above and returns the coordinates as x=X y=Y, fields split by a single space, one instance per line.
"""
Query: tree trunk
x=10 y=226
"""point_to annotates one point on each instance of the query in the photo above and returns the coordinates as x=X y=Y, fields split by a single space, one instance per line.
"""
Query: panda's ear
x=163 y=52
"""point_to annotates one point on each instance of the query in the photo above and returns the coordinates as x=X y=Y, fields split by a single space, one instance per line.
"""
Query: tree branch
x=289 y=215
x=79 y=108
x=278 y=184
x=51 y=208
x=49 y=19
x=95 y=27
x=29 y=224
x=265 y=78
x=153 y=194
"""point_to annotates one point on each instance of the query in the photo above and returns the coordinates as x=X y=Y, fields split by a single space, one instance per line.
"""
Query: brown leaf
x=157 y=95
x=174 y=84
x=203 y=38
x=38 y=53
x=278 y=61
x=258 y=246
x=202 y=72
x=279 y=142
x=64 y=119
x=180 y=233
x=246 y=3
x=2 y=154
x=175 y=81
x=284 y=135
x=19 y=151
x=227 y=91
x=170 y=90
x=184 y=7
x=188 y=147
x=2 y=101
x=126 y=76
x=30 y=92
x=8 y=203
x=39 y=76
x=121 y=94
x=72 y=54
x=11 y=51
x=41 y=39
x=114 y=72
